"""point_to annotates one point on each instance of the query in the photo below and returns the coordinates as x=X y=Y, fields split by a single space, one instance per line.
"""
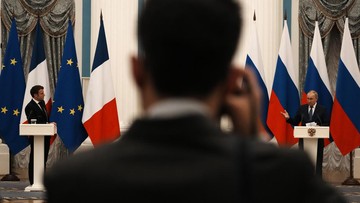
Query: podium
x=38 y=131
x=310 y=135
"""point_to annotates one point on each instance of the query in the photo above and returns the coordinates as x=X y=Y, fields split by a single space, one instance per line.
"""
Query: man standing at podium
x=36 y=112
x=311 y=113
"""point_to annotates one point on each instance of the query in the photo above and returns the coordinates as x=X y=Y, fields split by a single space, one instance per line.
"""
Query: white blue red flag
x=284 y=94
x=345 y=119
x=317 y=77
x=254 y=62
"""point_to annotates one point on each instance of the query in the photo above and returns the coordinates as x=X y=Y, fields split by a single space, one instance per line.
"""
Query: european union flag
x=12 y=81
x=67 y=108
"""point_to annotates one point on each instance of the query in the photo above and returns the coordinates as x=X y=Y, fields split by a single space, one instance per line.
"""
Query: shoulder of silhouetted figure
x=282 y=174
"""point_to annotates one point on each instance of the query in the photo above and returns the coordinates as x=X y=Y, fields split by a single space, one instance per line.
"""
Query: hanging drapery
x=53 y=16
x=331 y=16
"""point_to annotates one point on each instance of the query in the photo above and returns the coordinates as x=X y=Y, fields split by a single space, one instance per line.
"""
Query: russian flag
x=284 y=94
x=100 y=116
x=254 y=62
x=38 y=74
x=317 y=76
x=345 y=119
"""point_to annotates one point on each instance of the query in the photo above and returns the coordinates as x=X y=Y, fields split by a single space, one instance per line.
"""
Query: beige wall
x=120 y=28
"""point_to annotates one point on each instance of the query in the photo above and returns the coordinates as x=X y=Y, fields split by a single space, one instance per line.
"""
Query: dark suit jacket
x=33 y=111
x=186 y=159
x=319 y=116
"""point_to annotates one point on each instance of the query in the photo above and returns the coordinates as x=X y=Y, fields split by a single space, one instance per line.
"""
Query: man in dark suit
x=36 y=112
x=176 y=151
x=308 y=113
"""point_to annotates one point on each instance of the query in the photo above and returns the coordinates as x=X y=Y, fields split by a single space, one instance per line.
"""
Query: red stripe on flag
x=283 y=131
x=103 y=125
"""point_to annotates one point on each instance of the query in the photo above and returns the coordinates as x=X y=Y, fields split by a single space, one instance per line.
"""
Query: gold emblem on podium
x=311 y=131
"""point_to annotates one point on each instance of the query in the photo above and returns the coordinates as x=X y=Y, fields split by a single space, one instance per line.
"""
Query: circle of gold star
x=13 y=61
x=16 y=112
x=60 y=109
x=69 y=62
x=4 y=110
x=72 y=111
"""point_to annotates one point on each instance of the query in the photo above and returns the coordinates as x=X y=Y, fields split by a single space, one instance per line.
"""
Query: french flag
x=284 y=94
x=100 y=116
x=38 y=75
x=317 y=76
x=254 y=62
x=345 y=119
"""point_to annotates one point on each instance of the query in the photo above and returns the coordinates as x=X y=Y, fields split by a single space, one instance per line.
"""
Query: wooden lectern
x=310 y=135
x=38 y=131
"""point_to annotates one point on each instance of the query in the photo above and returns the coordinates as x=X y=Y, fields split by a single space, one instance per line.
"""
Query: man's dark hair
x=35 y=89
x=188 y=45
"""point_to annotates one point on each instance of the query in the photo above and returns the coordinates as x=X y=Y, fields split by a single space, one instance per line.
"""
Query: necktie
x=42 y=105
x=311 y=113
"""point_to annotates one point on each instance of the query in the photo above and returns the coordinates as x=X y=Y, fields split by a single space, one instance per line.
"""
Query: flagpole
x=351 y=180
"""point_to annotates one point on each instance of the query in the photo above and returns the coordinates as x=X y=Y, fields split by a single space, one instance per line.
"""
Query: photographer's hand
x=242 y=101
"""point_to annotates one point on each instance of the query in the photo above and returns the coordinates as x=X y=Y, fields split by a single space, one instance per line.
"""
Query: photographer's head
x=187 y=46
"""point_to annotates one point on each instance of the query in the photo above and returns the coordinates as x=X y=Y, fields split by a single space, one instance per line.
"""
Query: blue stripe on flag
x=285 y=89
x=265 y=96
x=101 y=53
x=313 y=81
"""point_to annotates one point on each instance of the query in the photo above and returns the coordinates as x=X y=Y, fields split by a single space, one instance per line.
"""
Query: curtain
x=331 y=16
x=53 y=16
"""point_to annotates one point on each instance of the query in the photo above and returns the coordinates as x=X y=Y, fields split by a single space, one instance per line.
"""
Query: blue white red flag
x=100 y=116
x=38 y=74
